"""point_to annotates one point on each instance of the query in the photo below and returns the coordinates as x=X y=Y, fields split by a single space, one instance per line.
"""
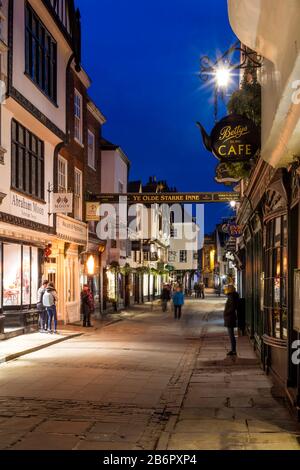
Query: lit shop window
x=20 y=275
x=275 y=278
x=34 y=275
x=111 y=285
x=26 y=276
x=12 y=275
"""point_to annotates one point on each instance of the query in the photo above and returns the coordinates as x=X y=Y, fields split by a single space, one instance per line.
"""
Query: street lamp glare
x=232 y=204
x=223 y=76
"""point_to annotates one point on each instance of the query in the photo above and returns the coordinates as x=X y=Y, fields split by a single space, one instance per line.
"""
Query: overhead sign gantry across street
x=167 y=198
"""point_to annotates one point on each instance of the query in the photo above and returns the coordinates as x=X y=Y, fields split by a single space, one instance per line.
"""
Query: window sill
x=78 y=142
x=52 y=101
x=29 y=196
x=92 y=168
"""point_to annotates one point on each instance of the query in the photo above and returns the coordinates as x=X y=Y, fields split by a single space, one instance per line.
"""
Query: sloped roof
x=134 y=186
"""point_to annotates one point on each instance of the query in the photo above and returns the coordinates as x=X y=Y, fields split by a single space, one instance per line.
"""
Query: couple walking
x=47 y=300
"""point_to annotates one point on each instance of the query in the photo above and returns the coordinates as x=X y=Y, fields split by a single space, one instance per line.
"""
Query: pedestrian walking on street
x=218 y=290
x=230 y=316
x=87 y=305
x=49 y=301
x=165 y=297
x=178 y=302
x=202 y=290
x=43 y=317
x=196 y=288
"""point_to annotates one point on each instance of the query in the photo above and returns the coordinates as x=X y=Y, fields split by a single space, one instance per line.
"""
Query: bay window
x=276 y=278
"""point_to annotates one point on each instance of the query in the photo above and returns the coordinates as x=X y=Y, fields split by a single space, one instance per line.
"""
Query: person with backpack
x=49 y=301
x=43 y=318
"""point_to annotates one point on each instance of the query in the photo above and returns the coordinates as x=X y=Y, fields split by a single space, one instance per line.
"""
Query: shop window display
x=275 y=280
x=11 y=275
x=20 y=275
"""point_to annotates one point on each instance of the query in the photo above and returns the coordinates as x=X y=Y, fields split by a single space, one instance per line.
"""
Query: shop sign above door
x=62 y=203
x=233 y=139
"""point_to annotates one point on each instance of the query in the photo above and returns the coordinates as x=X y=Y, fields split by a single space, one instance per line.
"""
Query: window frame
x=60 y=188
x=92 y=164
x=78 y=139
x=182 y=259
x=78 y=196
x=29 y=155
x=40 y=55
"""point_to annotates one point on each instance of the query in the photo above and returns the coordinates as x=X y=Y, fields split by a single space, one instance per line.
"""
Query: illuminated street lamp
x=223 y=76
x=91 y=265
x=222 y=69
x=233 y=204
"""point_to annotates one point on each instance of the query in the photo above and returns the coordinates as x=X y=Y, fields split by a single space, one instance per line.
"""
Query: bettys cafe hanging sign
x=233 y=139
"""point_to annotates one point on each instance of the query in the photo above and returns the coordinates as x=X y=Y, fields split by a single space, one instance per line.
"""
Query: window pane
x=26 y=276
x=277 y=241
x=34 y=275
x=276 y=323
x=277 y=290
x=26 y=174
x=284 y=324
x=12 y=275
x=41 y=53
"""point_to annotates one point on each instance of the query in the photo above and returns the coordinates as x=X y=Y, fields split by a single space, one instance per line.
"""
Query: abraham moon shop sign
x=233 y=139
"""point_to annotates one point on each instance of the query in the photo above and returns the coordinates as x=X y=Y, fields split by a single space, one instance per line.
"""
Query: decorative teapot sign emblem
x=233 y=139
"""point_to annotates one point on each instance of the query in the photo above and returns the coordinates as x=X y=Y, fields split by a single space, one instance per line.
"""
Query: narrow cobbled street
x=146 y=382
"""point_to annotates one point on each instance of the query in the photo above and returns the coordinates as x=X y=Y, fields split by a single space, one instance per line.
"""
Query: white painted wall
x=21 y=82
x=185 y=242
x=36 y=211
x=113 y=171
x=271 y=28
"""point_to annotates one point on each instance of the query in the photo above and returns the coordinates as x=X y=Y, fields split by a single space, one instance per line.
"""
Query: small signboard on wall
x=296 y=306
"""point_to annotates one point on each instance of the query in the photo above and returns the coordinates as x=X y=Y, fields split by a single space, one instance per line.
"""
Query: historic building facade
x=33 y=130
x=269 y=211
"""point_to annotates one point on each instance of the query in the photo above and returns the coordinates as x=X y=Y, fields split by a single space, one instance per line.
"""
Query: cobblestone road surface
x=147 y=382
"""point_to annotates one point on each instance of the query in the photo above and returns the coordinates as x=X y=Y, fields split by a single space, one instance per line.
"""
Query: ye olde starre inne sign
x=233 y=139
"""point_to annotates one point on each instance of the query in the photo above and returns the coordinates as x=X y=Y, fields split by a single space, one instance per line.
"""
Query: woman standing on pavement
x=178 y=302
x=87 y=305
x=230 y=316
x=49 y=301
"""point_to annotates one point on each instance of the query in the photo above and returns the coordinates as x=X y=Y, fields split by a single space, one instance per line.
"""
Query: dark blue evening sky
x=143 y=59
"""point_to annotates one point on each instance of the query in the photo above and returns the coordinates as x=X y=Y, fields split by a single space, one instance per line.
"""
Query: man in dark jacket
x=87 y=305
x=230 y=316
x=165 y=298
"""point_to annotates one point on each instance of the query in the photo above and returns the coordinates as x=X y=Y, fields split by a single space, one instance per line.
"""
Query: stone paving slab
x=26 y=344
x=144 y=383
x=229 y=404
